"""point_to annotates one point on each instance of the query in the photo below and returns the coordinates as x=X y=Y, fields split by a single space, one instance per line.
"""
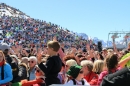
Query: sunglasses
x=30 y=61
x=37 y=70
x=81 y=72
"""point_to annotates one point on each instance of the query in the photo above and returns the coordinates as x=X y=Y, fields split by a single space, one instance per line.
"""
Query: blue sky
x=96 y=18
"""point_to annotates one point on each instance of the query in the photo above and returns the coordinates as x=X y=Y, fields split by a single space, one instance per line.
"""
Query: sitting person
x=39 y=81
x=76 y=73
x=89 y=75
x=5 y=71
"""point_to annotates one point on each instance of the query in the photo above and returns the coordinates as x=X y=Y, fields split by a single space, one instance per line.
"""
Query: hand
x=88 y=46
x=39 y=57
x=24 y=51
x=74 y=50
x=79 y=50
x=54 y=38
x=44 y=51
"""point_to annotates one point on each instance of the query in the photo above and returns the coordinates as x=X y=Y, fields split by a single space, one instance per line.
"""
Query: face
x=67 y=67
x=105 y=51
x=1 y=57
x=85 y=69
x=81 y=73
x=49 y=50
x=38 y=72
x=25 y=61
x=15 y=60
x=32 y=63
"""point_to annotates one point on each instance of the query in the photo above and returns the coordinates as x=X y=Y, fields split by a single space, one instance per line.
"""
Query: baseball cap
x=4 y=46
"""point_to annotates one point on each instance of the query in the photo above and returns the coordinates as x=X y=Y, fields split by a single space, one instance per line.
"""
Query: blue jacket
x=8 y=76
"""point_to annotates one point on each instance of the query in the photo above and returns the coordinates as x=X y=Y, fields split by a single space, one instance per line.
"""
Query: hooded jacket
x=22 y=73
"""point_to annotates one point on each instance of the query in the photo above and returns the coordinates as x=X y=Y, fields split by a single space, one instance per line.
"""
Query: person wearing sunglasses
x=76 y=73
x=32 y=61
x=39 y=80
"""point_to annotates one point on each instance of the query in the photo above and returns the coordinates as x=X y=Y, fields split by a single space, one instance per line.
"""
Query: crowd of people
x=36 y=53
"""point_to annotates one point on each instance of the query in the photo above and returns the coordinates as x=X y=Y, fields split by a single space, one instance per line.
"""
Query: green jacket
x=126 y=56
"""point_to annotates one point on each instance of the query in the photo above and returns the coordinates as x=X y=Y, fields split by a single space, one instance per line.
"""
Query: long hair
x=3 y=56
x=111 y=61
x=98 y=66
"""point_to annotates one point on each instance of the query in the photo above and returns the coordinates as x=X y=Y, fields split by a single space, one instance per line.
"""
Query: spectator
x=5 y=69
x=111 y=65
x=98 y=66
x=68 y=57
x=90 y=76
x=61 y=74
x=5 y=48
x=39 y=80
x=70 y=63
x=77 y=74
x=53 y=64
x=32 y=63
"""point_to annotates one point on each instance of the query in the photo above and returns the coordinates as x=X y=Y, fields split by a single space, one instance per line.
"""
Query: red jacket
x=92 y=78
x=32 y=82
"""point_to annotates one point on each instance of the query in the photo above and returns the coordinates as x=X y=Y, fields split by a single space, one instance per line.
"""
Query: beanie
x=74 y=71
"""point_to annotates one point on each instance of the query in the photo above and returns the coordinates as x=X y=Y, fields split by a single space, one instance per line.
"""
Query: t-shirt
x=77 y=83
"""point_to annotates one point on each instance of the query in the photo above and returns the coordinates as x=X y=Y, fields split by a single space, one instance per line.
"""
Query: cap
x=4 y=46
x=74 y=71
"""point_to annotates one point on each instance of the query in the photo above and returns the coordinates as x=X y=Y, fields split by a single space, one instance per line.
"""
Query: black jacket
x=14 y=67
x=51 y=69
x=22 y=74
x=119 y=78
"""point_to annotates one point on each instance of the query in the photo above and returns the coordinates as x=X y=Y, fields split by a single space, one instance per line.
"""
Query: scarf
x=2 y=63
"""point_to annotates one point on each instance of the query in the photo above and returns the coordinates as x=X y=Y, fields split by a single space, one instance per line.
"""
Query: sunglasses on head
x=81 y=72
x=30 y=61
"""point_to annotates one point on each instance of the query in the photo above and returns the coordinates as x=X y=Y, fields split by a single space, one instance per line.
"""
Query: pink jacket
x=104 y=73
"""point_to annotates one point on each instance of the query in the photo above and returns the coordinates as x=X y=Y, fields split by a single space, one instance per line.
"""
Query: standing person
x=5 y=70
x=5 y=48
x=53 y=64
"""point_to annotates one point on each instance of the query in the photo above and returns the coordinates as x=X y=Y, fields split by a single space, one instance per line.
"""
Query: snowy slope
x=10 y=11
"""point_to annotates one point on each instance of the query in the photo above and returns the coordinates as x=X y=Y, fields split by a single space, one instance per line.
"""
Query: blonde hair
x=87 y=63
x=98 y=66
x=71 y=62
x=3 y=56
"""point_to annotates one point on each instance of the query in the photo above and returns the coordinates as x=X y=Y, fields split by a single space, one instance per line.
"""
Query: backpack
x=119 y=78
x=74 y=81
